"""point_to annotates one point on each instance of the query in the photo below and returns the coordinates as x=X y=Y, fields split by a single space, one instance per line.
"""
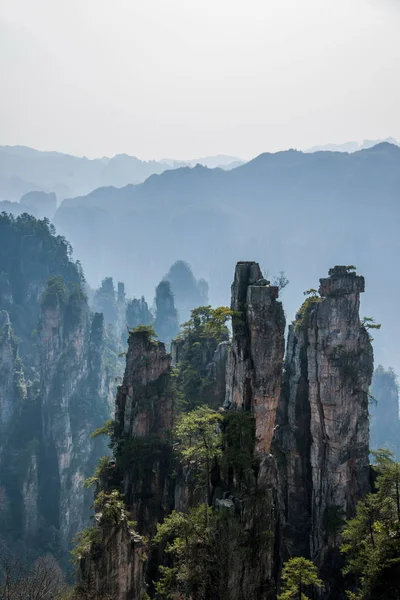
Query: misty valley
x=179 y=423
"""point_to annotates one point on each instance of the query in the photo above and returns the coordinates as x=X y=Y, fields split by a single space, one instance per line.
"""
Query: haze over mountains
x=299 y=212
x=24 y=170
x=352 y=146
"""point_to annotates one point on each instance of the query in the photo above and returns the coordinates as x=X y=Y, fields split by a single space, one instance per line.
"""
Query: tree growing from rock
x=298 y=574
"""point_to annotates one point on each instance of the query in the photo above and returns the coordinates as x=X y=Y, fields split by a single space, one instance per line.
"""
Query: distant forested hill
x=298 y=212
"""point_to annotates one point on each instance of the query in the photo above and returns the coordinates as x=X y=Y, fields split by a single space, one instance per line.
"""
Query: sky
x=190 y=78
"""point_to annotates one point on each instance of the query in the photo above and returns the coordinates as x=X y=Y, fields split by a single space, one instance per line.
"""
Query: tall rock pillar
x=254 y=371
x=323 y=423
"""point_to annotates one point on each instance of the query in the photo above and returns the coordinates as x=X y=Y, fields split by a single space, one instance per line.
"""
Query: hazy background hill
x=292 y=211
x=351 y=146
x=24 y=170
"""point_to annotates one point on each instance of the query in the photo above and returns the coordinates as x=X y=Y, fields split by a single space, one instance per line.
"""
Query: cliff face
x=12 y=384
x=115 y=566
x=323 y=426
x=285 y=484
x=144 y=412
x=254 y=372
x=55 y=390
x=74 y=401
x=144 y=419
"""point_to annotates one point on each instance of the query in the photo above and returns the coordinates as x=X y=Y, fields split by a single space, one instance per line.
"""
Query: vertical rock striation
x=143 y=421
x=12 y=385
x=74 y=401
x=254 y=371
x=144 y=418
x=295 y=440
x=323 y=427
x=254 y=383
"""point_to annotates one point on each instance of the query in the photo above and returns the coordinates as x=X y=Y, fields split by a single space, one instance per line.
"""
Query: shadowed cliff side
x=322 y=437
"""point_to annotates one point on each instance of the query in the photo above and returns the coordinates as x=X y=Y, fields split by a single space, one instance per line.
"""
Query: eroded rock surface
x=322 y=437
x=254 y=372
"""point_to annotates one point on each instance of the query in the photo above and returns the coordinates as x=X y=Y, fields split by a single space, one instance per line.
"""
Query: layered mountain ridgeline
x=55 y=389
x=341 y=206
x=24 y=170
x=202 y=501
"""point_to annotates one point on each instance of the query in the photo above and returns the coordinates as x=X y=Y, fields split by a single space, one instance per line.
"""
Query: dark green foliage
x=371 y=541
x=369 y=323
x=134 y=454
x=196 y=346
x=39 y=275
x=84 y=540
x=201 y=545
x=111 y=505
x=199 y=443
x=334 y=520
x=106 y=429
x=147 y=331
x=30 y=255
x=102 y=470
x=55 y=293
x=238 y=442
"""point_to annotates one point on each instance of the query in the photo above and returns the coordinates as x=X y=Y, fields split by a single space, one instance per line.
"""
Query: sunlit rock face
x=254 y=371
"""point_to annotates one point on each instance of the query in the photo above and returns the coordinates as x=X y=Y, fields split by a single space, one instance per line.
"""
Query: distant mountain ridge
x=24 y=169
x=300 y=212
x=351 y=146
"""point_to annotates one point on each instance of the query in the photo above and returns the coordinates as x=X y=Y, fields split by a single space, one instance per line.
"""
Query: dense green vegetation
x=195 y=347
x=371 y=541
x=60 y=392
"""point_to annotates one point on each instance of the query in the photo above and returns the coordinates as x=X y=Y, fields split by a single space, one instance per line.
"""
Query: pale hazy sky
x=187 y=78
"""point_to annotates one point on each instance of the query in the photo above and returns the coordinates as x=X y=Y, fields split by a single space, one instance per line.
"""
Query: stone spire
x=323 y=424
x=254 y=372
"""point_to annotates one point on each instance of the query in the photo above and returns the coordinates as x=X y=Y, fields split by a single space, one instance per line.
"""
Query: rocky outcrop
x=74 y=401
x=143 y=423
x=117 y=572
x=254 y=372
x=322 y=436
x=12 y=383
x=144 y=420
x=294 y=439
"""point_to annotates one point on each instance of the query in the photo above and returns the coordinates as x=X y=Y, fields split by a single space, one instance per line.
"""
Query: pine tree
x=298 y=574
